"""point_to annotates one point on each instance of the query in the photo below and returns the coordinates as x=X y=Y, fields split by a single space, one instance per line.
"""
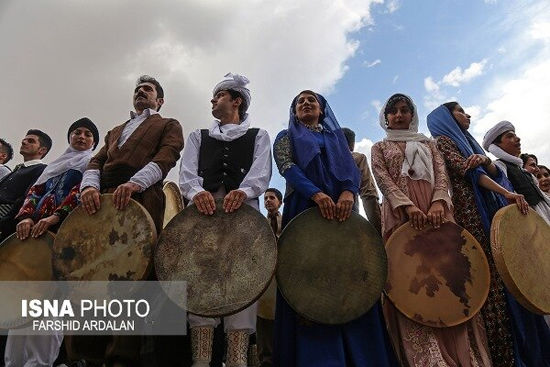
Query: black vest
x=225 y=162
x=15 y=185
x=523 y=183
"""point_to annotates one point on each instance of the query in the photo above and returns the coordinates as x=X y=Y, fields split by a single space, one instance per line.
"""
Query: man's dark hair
x=150 y=79
x=276 y=192
x=350 y=137
x=6 y=147
x=234 y=94
x=525 y=157
x=158 y=87
x=43 y=138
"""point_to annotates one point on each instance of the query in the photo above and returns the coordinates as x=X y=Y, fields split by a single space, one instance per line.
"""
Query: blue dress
x=298 y=342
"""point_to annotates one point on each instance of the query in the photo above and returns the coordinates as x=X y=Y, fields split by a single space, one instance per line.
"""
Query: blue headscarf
x=307 y=153
x=442 y=123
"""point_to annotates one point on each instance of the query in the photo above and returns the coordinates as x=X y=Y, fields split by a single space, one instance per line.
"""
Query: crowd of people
x=423 y=180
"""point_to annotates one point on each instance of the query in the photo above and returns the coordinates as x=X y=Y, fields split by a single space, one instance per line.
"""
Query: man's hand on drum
x=90 y=200
x=233 y=200
x=435 y=213
x=205 y=202
x=416 y=217
x=344 y=205
x=43 y=224
x=520 y=201
x=123 y=193
x=325 y=204
x=23 y=228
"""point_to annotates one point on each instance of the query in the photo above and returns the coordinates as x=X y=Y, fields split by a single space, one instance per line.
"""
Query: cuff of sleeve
x=90 y=179
x=193 y=192
x=248 y=191
x=442 y=195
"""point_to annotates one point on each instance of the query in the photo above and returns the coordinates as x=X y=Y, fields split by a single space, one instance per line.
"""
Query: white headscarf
x=70 y=159
x=418 y=162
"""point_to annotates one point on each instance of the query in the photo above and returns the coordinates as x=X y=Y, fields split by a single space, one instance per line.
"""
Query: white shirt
x=145 y=177
x=256 y=180
x=4 y=171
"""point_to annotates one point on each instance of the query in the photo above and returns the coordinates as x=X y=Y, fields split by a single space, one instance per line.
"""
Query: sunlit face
x=531 y=166
x=223 y=104
x=82 y=139
x=461 y=117
x=510 y=143
x=400 y=116
x=31 y=149
x=271 y=202
x=308 y=109
x=145 y=96
x=543 y=176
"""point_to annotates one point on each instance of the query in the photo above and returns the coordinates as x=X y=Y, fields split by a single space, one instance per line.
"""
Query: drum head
x=28 y=260
x=330 y=272
x=108 y=245
x=521 y=249
x=174 y=201
x=227 y=259
x=436 y=277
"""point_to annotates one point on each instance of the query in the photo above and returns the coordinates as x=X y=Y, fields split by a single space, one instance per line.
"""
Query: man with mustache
x=135 y=159
x=232 y=161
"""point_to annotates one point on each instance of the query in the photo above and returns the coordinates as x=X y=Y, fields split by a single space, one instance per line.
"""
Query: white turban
x=495 y=131
x=237 y=83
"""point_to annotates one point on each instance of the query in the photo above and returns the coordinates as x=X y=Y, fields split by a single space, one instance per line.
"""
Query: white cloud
x=371 y=64
x=85 y=62
x=377 y=105
x=393 y=5
x=522 y=97
x=430 y=85
x=540 y=31
x=457 y=76
x=395 y=79
x=490 y=1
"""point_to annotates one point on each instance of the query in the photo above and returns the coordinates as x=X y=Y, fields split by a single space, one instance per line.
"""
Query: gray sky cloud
x=67 y=59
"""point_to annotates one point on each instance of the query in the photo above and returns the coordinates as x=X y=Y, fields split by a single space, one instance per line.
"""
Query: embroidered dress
x=314 y=161
x=516 y=336
x=58 y=195
x=416 y=344
x=404 y=181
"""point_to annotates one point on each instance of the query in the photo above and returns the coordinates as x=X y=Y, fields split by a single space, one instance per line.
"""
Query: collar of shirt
x=32 y=162
x=269 y=215
x=146 y=113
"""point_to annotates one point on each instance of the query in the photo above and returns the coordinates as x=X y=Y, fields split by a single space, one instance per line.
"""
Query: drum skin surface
x=227 y=259
x=330 y=272
x=521 y=249
x=436 y=277
x=30 y=262
x=30 y=259
x=108 y=245
x=174 y=202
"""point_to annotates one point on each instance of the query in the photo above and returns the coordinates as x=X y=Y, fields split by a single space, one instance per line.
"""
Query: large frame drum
x=227 y=259
x=436 y=277
x=111 y=244
x=330 y=272
x=521 y=249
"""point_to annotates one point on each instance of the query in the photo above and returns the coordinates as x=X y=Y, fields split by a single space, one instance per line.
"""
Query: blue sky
x=66 y=59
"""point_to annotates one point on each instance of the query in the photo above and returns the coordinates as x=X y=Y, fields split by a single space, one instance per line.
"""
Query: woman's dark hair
x=398 y=97
x=525 y=157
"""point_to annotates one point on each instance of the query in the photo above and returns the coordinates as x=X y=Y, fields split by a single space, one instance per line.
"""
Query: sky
x=62 y=60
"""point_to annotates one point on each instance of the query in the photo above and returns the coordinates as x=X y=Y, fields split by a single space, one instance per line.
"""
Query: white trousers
x=243 y=320
x=32 y=350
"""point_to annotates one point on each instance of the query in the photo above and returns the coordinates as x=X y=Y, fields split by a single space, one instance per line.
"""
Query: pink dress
x=416 y=344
